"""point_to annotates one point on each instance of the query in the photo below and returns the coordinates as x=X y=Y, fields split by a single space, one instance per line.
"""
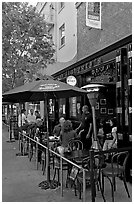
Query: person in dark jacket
x=85 y=128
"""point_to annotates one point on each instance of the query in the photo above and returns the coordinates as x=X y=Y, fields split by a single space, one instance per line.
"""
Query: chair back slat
x=120 y=160
x=75 y=145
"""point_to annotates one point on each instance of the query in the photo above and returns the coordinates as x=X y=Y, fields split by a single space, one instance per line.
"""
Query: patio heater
x=93 y=93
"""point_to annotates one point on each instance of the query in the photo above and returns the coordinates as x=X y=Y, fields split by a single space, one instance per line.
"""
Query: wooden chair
x=116 y=168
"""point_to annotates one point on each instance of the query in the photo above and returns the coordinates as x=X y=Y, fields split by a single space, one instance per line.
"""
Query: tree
x=26 y=44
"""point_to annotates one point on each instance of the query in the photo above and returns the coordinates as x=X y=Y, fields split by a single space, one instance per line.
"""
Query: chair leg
x=102 y=182
x=44 y=166
x=98 y=186
x=67 y=179
x=58 y=175
x=75 y=189
x=53 y=162
x=54 y=173
x=79 y=188
x=102 y=192
x=31 y=153
x=125 y=184
x=112 y=188
x=114 y=183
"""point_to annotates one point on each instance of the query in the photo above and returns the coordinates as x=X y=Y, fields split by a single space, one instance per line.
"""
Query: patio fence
x=92 y=153
x=23 y=144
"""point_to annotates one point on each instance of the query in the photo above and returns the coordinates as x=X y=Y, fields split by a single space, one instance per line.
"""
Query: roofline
x=97 y=54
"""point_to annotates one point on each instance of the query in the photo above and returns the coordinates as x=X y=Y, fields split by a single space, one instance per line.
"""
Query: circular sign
x=71 y=80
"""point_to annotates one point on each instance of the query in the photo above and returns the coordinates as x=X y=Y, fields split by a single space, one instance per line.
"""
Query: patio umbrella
x=36 y=90
x=43 y=90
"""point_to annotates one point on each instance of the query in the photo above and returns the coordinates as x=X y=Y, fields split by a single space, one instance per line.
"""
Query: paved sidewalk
x=20 y=180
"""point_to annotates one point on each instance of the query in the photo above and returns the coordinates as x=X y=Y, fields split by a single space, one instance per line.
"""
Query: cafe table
x=52 y=141
x=76 y=154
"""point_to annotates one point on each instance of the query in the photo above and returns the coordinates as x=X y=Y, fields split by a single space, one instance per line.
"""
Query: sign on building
x=71 y=80
x=93 y=14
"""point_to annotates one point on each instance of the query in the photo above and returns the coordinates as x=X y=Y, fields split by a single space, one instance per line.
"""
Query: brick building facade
x=116 y=23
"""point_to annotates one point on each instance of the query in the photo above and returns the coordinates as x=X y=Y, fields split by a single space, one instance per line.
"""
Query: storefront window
x=62 y=106
x=73 y=107
x=51 y=107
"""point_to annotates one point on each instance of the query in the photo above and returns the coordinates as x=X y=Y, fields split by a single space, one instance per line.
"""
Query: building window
x=103 y=111
x=62 y=35
x=62 y=107
x=73 y=106
x=61 y=5
x=103 y=101
x=110 y=111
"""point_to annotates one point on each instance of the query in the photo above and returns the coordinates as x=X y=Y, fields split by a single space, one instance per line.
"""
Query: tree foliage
x=26 y=44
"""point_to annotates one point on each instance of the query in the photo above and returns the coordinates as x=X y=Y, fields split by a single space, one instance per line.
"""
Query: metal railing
x=92 y=154
x=22 y=150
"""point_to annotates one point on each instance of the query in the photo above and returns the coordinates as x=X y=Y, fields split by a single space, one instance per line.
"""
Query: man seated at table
x=58 y=128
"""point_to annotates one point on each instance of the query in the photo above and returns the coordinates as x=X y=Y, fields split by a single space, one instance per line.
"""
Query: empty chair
x=116 y=169
x=96 y=175
x=65 y=166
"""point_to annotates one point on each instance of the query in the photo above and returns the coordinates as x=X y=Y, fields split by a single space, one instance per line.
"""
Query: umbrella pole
x=47 y=151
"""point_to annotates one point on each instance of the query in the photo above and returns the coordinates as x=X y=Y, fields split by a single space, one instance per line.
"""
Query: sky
x=33 y=3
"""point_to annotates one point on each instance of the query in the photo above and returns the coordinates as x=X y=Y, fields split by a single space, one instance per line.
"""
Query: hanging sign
x=71 y=80
x=93 y=14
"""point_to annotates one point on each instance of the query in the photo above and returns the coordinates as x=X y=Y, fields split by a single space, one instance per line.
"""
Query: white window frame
x=62 y=35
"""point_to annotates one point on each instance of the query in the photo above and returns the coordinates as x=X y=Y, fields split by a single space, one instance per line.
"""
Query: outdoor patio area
x=20 y=175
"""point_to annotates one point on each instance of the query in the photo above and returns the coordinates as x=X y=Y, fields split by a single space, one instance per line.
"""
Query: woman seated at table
x=66 y=135
x=111 y=138
x=104 y=128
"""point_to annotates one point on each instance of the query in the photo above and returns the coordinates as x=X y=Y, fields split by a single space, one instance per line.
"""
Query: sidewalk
x=20 y=180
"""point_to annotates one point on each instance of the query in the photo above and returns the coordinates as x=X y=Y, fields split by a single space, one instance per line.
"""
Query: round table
x=77 y=154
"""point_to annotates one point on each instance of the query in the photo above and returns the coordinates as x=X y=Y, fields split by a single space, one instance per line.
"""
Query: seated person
x=67 y=134
x=111 y=138
x=22 y=121
x=58 y=128
x=39 y=121
x=107 y=128
x=37 y=115
x=100 y=133
x=31 y=118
